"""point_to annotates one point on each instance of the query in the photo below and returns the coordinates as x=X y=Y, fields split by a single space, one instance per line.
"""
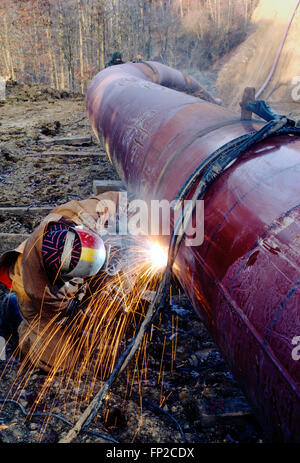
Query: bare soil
x=250 y=63
x=196 y=387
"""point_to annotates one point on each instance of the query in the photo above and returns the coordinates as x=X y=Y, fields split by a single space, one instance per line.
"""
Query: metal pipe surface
x=244 y=280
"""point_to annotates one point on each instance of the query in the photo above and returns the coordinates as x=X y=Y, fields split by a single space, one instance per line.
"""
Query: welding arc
x=209 y=171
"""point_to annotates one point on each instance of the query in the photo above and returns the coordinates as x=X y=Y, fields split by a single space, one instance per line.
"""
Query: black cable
x=157 y=408
x=161 y=410
x=54 y=415
x=191 y=180
x=216 y=163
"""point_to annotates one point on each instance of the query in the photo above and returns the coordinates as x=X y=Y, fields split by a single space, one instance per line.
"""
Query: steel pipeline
x=244 y=280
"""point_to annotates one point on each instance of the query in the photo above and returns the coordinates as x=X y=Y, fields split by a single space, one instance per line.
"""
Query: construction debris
x=73 y=141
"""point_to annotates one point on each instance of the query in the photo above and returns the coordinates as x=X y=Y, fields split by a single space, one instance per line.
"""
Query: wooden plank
x=248 y=96
x=64 y=153
x=233 y=418
x=101 y=186
x=10 y=241
x=68 y=141
x=22 y=236
x=20 y=210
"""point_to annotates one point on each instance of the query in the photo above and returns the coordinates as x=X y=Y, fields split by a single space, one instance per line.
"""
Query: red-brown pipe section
x=244 y=280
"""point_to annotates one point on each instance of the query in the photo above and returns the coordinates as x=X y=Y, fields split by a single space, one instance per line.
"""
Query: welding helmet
x=92 y=253
x=117 y=57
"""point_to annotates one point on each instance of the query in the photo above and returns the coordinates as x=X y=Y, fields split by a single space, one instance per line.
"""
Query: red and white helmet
x=92 y=255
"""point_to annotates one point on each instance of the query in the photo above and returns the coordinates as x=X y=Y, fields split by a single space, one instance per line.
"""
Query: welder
x=48 y=276
x=116 y=59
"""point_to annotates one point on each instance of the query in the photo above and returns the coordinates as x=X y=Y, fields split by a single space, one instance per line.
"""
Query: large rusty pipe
x=244 y=280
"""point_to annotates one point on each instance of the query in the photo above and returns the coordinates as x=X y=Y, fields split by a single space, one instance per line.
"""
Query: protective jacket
x=116 y=59
x=41 y=303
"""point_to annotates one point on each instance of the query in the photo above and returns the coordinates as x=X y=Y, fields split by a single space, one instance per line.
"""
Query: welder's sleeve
x=57 y=302
x=10 y=265
x=4 y=277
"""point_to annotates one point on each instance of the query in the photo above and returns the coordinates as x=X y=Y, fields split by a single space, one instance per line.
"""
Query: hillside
x=252 y=61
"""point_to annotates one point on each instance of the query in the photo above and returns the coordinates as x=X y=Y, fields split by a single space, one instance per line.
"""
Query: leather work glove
x=59 y=300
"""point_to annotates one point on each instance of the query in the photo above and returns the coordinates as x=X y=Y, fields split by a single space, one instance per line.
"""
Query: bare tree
x=63 y=43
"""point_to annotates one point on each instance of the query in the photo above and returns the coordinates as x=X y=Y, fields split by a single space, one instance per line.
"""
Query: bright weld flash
x=158 y=256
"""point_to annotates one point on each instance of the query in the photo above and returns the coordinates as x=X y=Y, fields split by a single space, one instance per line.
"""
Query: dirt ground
x=196 y=388
x=250 y=63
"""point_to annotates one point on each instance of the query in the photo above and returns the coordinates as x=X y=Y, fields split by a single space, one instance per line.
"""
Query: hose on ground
x=56 y=416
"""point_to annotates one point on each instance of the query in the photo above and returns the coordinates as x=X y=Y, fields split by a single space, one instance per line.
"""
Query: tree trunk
x=80 y=23
x=8 y=50
x=103 y=35
x=4 y=54
x=50 y=57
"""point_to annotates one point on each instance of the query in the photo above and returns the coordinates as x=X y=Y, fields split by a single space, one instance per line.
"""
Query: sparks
x=114 y=309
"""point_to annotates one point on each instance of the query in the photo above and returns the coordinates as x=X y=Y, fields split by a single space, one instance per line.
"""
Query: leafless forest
x=63 y=43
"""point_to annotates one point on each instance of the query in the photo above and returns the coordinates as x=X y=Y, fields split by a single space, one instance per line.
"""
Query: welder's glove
x=59 y=300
